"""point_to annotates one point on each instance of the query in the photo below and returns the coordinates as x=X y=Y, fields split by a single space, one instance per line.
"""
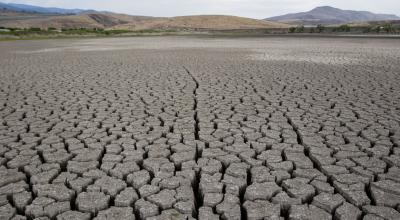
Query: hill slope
x=329 y=15
x=109 y=20
x=84 y=20
x=219 y=22
x=26 y=16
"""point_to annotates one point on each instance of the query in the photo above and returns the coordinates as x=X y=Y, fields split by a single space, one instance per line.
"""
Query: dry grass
x=202 y=21
x=69 y=21
x=127 y=22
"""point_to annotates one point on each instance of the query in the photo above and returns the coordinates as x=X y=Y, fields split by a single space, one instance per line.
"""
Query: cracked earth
x=198 y=128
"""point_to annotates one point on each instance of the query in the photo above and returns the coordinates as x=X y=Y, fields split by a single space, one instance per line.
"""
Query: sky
x=246 y=8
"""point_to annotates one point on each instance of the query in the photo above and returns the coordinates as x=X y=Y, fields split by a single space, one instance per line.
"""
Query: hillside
x=83 y=20
x=328 y=15
x=219 y=22
x=108 y=20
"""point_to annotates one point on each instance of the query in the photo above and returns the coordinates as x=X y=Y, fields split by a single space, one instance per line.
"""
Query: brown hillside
x=88 y=20
x=76 y=21
x=120 y=21
x=203 y=22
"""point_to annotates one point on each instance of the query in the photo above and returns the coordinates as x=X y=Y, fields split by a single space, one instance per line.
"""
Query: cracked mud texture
x=200 y=128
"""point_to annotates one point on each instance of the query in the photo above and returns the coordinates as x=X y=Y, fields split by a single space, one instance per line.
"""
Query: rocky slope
x=330 y=15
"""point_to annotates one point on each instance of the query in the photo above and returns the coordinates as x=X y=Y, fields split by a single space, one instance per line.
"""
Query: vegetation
x=52 y=32
x=368 y=29
x=320 y=28
x=344 y=28
x=384 y=28
x=300 y=29
x=64 y=31
x=34 y=29
x=388 y=28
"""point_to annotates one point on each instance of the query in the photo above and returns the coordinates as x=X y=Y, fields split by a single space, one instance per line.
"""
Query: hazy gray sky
x=247 y=8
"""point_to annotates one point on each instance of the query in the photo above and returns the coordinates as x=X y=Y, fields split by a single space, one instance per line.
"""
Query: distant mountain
x=37 y=9
x=329 y=15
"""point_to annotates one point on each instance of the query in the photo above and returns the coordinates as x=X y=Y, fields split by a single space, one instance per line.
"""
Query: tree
x=320 y=28
x=300 y=29
x=388 y=27
x=34 y=29
x=344 y=28
x=367 y=29
x=292 y=29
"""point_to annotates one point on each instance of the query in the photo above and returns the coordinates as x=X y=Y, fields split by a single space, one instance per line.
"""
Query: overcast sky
x=246 y=8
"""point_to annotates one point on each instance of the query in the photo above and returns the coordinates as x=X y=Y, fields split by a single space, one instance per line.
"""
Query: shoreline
x=201 y=34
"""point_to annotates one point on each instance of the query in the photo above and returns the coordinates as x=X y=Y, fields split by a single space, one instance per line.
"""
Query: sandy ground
x=200 y=128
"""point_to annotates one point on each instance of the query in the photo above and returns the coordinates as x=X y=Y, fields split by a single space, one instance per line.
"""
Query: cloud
x=247 y=8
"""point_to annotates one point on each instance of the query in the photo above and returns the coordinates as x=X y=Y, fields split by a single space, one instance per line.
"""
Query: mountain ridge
x=109 y=20
x=41 y=10
x=26 y=16
x=328 y=15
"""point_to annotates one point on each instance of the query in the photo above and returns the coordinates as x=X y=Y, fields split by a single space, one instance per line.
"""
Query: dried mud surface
x=200 y=128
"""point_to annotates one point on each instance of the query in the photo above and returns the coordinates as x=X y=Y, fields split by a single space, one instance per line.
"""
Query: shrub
x=320 y=28
x=34 y=29
x=300 y=29
x=344 y=28
x=292 y=29
x=51 y=28
x=312 y=30
x=367 y=29
x=388 y=28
